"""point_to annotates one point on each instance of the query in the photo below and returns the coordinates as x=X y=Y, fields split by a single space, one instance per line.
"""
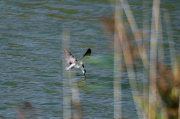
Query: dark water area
x=31 y=55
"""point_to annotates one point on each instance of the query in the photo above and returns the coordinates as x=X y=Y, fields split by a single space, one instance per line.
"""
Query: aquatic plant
x=160 y=98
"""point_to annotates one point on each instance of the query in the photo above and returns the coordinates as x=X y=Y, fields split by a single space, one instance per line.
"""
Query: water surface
x=31 y=56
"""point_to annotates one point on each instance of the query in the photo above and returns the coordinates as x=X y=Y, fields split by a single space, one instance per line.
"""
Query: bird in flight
x=73 y=62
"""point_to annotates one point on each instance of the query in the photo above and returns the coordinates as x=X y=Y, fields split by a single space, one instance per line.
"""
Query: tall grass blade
x=153 y=59
x=136 y=33
x=117 y=65
x=66 y=80
x=128 y=58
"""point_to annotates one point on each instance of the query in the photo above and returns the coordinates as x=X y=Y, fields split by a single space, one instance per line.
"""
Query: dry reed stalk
x=127 y=57
x=128 y=50
x=75 y=97
x=145 y=103
x=70 y=87
x=66 y=80
x=161 y=60
x=117 y=66
x=153 y=59
x=138 y=39
x=136 y=33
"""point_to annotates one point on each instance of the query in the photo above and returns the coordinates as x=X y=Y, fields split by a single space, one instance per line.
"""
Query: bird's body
x=72 y=61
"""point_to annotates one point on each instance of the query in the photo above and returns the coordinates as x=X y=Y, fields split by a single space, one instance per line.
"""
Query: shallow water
x=31 y=56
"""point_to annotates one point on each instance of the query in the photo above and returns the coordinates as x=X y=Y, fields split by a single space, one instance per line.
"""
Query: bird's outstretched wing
x=70 y=59
x=86 y=55
x=70 y=66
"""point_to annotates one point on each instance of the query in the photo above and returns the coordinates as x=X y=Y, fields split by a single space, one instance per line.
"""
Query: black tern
x=72 y=61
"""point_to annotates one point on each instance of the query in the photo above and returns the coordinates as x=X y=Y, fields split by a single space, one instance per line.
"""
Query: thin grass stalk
x=75 y=97
x=66 y=81
x=145 y=94
x=161 y=60
x=146 y=27
x=70 y=87
x=128 y=60
x=145 y=45
x=176 y=91
x=126 y=52
x=136 y=33
x=153 y=57
x=117 y=66
x=175 y=68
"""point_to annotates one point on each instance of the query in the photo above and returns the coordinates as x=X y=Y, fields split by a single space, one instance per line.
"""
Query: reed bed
x=160 y=98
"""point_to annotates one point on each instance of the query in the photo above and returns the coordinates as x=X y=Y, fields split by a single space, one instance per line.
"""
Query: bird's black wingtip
x=89 y=49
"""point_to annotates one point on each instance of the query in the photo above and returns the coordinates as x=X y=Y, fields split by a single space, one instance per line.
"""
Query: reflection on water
x=31 y=57
x=82 y=82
